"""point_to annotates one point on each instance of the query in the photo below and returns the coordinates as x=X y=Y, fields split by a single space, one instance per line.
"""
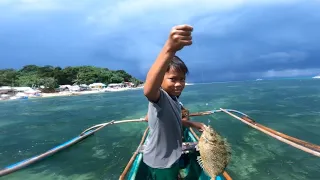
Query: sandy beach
x=73 y=93
x=69 y=93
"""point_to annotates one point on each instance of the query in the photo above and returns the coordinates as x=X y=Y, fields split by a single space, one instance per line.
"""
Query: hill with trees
x=51 y=77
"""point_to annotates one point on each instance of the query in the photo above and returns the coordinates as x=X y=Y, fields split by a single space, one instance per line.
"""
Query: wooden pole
x=125 y=171
x=305 y=149
x=200 y=113
x=296 y=140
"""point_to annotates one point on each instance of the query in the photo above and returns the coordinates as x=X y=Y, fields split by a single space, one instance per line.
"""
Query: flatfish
x=215 y=152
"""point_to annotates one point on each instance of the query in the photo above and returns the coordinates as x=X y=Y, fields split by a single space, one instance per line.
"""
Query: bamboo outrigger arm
x=297 y=143
x=88 y=132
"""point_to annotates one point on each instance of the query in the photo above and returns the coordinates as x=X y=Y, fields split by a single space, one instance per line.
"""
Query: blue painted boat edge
x=136 y=164
x=192 y=137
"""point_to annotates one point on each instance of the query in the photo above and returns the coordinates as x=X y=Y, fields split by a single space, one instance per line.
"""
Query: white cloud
x=228 y=33
x=287 y=73
x=291 y=72
x=284 y=57
x=31 y=5
x=47 y=6
x=167 y=12
x=147 y=22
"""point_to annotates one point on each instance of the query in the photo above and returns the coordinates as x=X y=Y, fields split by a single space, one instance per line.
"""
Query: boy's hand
x=179 y=37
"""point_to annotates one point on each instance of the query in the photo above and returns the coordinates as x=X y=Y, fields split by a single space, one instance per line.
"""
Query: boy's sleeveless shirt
x=163 y=146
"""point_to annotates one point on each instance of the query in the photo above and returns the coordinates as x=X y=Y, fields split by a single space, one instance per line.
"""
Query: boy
x=164 y=83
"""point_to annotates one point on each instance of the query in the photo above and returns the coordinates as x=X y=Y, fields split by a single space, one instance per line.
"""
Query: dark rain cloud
x=244 y=42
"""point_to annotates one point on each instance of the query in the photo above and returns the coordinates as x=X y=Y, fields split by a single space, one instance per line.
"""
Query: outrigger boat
x=136 y=169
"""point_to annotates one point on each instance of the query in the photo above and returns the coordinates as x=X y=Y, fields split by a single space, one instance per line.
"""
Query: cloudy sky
x=233 y=39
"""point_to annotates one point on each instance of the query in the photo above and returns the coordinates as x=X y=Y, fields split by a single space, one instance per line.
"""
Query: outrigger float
x=136 y=169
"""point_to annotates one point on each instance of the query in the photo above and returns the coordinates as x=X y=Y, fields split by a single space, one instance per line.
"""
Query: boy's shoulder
x=165 y=100
x=164 y=94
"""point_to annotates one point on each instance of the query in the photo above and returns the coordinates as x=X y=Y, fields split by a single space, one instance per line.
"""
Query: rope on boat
x=88 y=132
x=298 y=146
x=225 y=174
x=126 y=169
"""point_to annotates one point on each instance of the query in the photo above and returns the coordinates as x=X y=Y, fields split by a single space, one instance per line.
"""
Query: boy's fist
x=179 y=37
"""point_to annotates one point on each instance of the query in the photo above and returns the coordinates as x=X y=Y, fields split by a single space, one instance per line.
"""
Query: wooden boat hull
x=139 y=169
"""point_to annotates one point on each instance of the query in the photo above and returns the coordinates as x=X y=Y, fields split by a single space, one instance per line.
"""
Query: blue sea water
x=30 y=127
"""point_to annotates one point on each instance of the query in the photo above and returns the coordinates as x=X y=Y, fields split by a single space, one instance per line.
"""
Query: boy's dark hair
x=177 y=64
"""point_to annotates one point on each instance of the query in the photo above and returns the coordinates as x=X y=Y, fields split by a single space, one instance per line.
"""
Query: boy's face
x=173 y=82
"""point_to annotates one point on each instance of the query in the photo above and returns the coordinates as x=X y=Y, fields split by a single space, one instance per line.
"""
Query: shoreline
x=73 y=93
x=78 y=93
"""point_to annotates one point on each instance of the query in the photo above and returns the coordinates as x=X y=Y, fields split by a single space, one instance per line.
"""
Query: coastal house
x=84 y=87
x=64 y=87
x=24 y=89
x=5 y=89
x=28 y=91
x=72 y=88
x=129 y=84
x=18 y=92
x=121 y=85
x=97 y=86
x=116 y=85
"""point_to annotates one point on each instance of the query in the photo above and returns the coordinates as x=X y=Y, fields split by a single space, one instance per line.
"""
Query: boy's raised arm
x=179 y=37
x=156 y=73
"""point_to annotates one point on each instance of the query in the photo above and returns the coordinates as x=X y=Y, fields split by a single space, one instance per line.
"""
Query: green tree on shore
x=51 y=77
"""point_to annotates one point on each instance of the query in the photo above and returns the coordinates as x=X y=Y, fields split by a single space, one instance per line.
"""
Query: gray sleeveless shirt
x=163 y=146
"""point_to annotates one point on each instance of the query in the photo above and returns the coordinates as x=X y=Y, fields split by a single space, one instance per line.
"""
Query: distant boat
x=259 y=79
x=316 y=77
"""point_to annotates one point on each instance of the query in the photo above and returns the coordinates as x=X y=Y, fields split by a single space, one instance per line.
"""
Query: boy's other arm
x=185 y=116
x=186 y=123
x=197 y=125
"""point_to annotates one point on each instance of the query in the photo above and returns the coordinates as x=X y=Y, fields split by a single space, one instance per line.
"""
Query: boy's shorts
x=164 y=174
